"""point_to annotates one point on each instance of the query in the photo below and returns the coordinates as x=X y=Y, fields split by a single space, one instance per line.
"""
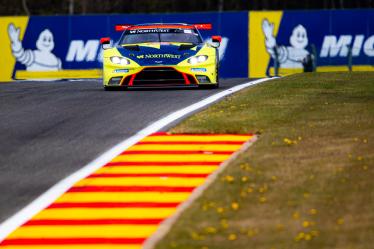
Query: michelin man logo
x=41 y=59
x=288 y=56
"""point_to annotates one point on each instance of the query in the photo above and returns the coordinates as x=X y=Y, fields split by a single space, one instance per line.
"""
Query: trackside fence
x=255 y=44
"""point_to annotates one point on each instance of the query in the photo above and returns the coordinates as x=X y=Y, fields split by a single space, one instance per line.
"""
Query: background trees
x=53 y=7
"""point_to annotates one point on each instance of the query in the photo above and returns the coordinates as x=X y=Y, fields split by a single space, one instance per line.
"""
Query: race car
x=160 y=55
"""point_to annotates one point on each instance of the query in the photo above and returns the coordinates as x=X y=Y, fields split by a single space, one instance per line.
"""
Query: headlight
x=197 y=59
x=119 y=60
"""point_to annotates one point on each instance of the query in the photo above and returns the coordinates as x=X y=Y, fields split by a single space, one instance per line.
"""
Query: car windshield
x=181 y=35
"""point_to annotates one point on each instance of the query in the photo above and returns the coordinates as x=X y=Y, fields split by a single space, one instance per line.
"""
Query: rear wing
x=122 y=27
x=199 y=26
x=203 y=26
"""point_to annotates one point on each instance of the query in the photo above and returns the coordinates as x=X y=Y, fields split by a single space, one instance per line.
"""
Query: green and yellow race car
x=161 y=55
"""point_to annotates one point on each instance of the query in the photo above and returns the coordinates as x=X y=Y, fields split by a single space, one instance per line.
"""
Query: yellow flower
x=245 y=166
x=252 y=232
x=313 y=211
x=249 y=190
x=262 y=199
x=365 y=141
x=296 y=215
x=314 y=233
x=300 y=236
x=287 y=141
x=299 y=138
x=224 y=223
x=340 y=221
x=220 y=210
x=210 y=230
x=232 y=236
x=211 y=204
x=274 y=178
x=229 y=178
x=308 y=236
x=306 y=195
x=359 y=158
x=244 y=178
x=306 y=223
x=195 y=235
x=263 y=189
x=235 y=206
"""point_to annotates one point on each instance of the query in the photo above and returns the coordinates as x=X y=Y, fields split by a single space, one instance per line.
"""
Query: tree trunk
x=71 y=7
x=25 y=8
x=265 y=4
x=325 y=4
x=333 y=4
x=173 y=8
x=341 y=4
x=84 y=6
x=221 y=4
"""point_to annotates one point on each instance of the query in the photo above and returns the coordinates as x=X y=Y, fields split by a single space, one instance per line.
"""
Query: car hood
x=152 y=54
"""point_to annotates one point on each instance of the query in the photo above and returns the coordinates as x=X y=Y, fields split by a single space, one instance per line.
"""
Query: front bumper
x=161 y=76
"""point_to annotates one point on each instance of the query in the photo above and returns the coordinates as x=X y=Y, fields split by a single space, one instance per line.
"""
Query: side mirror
x=216 y=40
x=105 y=42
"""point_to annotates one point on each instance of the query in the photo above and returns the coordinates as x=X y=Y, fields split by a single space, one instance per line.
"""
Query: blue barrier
x=76 y=40
x=332 y=37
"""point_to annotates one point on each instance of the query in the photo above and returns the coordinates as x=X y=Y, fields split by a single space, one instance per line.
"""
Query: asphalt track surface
x=48 y=130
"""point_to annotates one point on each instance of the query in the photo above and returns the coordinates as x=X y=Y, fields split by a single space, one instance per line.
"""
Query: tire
x=108 y=88
x=114 y=88
x=217 y=70
x=211 y=86
x=217 y=79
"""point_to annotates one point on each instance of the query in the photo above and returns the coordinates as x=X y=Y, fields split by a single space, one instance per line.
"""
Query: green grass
x=307 y=182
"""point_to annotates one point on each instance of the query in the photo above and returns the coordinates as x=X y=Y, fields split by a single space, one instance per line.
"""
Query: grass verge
x=306 y=183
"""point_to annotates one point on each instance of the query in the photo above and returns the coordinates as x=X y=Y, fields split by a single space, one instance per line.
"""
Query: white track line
x=61 y=187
